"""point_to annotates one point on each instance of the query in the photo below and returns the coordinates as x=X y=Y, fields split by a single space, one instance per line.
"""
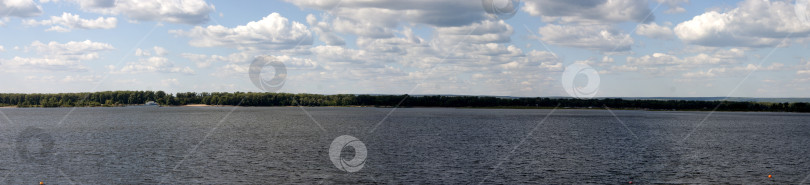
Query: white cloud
x=399 y=45
x=70 y=21
x=237 y=66
x=380 y=19
x=486 y=31
x=653 y=30
x=674 y=5
x=388 y=14
x=204 y=61
x=754 y=23
x=545 y=60
x=140 y=52
x=803 y=68
x=56 y=56
x=361 y=28
x=160 y=51
x=81 y=78
x=272 y=32
x=599 y=11
x=324 y=30
x=42 y=64
x=171 y=82
x=594 y=37
x=19 y=8
x=662 y=64
x=732 y=71
x=2 y=49
x=153 y=64
x=85 y=50
x=149 y=61
x=174 y=11
x=157 y=50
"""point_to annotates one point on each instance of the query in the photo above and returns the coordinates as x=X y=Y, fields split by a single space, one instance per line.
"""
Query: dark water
x=137 y=145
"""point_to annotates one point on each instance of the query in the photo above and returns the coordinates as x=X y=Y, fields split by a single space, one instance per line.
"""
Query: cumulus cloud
x=675 y=6
x=153 y=64
x=19 y=8
x=653 y=30
x=591 y=10
x=81 y=78
x=803 y=68
x=409 y=42
x=594 y=37
x=380 y=19
x=324 y=30
x=204 y=61
x=271 y=32
x=174 y=11
x=733 y=71
x=486 y=31
x=84 y=50
x=662 y=64
x=69 y=21
x=544 y=60
x=56 y=56
x=390 y=13
x=754 y=23
x=159 y=51
x=170 y=82
x=148 y=63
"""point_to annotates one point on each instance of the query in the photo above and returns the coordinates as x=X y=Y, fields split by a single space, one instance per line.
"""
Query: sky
x=530 y=48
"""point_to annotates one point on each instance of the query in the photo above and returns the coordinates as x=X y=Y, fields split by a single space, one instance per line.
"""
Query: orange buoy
x=41 y=183
x=769 y=176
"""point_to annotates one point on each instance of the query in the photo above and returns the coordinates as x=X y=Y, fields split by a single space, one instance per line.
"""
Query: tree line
x=123 y=98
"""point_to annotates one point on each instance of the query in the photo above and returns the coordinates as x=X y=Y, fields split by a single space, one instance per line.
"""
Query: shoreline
x=497 y=107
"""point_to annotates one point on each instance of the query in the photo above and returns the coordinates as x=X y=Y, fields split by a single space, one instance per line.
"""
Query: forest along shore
x=124 y=98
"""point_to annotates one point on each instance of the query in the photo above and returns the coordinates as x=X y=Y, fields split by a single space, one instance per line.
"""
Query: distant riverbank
x=251 y=99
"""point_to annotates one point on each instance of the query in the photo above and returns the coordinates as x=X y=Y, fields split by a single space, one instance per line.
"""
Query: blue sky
x=750 y=48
